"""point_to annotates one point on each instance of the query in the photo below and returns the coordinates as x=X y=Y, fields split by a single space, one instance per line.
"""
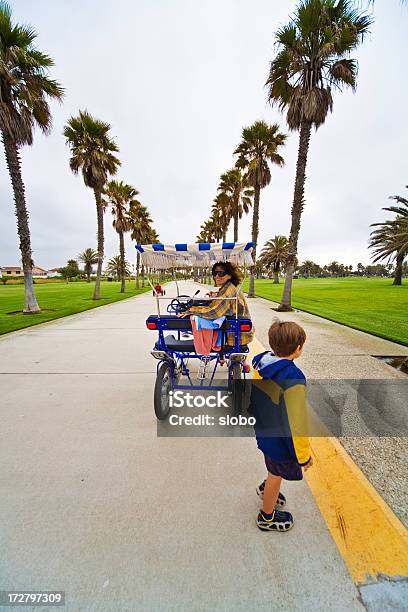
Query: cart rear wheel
x=161 y=391
x=237 y=384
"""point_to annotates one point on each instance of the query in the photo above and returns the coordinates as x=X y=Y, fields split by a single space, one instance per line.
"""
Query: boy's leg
x=271 y=492
x=271 y=519
x=281 y=501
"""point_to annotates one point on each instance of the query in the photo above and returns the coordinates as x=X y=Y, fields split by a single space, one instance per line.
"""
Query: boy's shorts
x=289 y=470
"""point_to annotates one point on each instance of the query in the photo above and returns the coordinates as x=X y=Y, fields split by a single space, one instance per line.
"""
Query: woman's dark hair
x=231 y=269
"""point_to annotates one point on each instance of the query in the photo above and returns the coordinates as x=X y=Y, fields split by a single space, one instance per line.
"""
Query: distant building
x=11 y=271
x=18 y=271
x=53 y=272
x=39 y=272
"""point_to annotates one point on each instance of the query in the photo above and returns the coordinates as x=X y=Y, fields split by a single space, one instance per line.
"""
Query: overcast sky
x=178 y=80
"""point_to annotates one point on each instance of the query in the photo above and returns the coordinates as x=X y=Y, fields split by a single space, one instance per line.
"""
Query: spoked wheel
x=237 y=387
x=162 y=388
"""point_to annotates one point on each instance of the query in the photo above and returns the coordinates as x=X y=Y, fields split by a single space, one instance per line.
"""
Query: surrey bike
x=174 y=348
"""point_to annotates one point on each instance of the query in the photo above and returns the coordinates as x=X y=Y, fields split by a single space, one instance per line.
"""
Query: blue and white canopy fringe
x=199 y=255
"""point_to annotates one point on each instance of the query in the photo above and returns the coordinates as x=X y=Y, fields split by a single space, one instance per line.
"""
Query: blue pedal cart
x=174 y=348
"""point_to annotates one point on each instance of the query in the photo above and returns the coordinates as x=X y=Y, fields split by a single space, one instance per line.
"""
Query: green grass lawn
x=373 y=305
x=57 y=300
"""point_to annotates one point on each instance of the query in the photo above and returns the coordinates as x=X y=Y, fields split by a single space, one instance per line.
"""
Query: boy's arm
x=296 y=408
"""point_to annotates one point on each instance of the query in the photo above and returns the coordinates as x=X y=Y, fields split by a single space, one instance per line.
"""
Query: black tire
x=237 y=387
x=161 y=391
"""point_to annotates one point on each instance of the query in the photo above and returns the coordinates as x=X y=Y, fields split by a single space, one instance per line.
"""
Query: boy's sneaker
x=280 y=521
x=280 y=502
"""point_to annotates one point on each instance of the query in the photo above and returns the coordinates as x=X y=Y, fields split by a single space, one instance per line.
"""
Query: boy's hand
x=308 y=464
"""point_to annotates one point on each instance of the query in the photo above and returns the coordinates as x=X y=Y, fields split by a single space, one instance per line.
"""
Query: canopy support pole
x=175 y=278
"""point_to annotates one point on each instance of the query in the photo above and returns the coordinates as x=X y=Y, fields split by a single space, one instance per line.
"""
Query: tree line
x=26 y=89
x=272 y=262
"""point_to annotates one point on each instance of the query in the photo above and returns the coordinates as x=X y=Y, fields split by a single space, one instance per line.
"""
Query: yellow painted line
x=370 y=538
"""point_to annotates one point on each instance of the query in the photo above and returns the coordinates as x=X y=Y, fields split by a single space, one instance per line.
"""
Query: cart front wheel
x=161 y=391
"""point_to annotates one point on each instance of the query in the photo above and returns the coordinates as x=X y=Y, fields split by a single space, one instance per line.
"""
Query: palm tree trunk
x=255 y=224
x=236 y=226
x=99 y=215
x=297 y=208
x=122 y=262
x=14 y=168
x=398 y=269
x=224 y=235
x=143 y=278
x=137 y=270
x=276 y=270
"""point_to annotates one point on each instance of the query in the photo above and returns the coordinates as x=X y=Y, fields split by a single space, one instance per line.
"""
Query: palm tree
x=390 y=240
x=115 y=267
x=202 y=237
x=309 y=268
x=25 y=88
x=273 y=255
x=402 y=216
x=141 y=231
x=207 y=232
x=313 y=56
x=306 y=267
x=120 y=196
x=92 y=151
x=222 y=206
x=334 y=268
x=216 y=223
x=258 y=147
x=88 y=257
x=234 y=185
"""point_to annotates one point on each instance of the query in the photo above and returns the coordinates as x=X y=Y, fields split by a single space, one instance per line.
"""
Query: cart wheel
x=162 y=388
x=237 y=387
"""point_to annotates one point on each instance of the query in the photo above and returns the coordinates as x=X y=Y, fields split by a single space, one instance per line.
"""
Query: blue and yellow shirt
x=279 y=405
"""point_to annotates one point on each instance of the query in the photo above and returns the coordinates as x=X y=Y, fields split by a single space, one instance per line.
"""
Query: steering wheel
x=179 y=304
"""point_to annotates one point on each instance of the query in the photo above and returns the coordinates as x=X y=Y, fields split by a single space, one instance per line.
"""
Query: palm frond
x=26 y=86
x=92 y=149
x=258 y=148
x=313 y=57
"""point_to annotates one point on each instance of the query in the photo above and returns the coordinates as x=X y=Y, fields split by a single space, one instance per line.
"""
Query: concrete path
x=93 y=503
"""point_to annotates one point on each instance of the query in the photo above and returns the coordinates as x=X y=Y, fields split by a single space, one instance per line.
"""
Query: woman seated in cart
x=227 y=278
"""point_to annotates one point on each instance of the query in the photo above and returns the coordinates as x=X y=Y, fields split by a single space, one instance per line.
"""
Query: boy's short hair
x=285 y=337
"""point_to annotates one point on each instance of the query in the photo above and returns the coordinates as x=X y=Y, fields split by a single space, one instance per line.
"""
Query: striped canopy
x=199 y=255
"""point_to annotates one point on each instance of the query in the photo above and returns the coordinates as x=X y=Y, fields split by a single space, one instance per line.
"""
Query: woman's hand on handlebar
x=182 y=314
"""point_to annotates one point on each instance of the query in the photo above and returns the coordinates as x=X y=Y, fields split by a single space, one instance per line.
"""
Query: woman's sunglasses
x=219 y=273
